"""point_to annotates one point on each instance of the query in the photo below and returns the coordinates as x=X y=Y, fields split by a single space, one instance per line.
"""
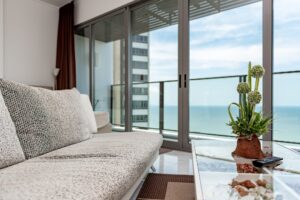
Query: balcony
x=207 y=119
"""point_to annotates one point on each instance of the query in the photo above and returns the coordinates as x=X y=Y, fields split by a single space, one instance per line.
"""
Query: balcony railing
x=170 y=87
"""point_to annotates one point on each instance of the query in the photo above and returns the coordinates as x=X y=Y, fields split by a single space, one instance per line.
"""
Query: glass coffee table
x=219 y=175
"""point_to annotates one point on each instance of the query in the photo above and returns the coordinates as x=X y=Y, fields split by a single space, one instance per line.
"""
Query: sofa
x=50 y=148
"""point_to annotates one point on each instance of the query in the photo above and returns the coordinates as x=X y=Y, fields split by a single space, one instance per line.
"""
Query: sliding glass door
x=286 y=124
x=172 y=66
x=154 y=67
x=224 y=37
x=108 y=65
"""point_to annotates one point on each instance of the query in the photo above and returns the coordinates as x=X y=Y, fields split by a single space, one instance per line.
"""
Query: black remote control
x=266 y=161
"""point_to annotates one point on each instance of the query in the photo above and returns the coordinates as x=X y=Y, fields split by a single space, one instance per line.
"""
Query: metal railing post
x=111 y=103
x=161 y=107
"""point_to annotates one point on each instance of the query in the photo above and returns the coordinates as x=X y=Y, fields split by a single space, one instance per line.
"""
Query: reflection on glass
x=82 y=43
x=214 y=160
x=109 y=52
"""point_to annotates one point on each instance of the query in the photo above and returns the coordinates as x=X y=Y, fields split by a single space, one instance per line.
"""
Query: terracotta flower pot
x=249 y=148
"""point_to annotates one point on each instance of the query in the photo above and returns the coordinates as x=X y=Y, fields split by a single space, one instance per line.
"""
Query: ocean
x=213 y=119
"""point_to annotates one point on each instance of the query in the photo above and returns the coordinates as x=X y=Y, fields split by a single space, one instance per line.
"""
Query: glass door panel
x=286 y=78
x=82 y=55
x=224 y=37
x=109 y=69
x=154 y=63
x=170 y=129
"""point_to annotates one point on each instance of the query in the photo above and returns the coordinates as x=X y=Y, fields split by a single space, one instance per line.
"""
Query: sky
x=223 y=44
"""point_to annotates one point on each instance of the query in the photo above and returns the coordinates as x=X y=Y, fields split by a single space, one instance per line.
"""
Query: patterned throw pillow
x=10 y=149
x=45 y=120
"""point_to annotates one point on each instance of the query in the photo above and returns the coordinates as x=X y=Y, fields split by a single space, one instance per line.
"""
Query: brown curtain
x=65 y=56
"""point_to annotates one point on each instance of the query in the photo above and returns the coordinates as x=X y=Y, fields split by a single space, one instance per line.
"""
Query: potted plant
x=249 y=125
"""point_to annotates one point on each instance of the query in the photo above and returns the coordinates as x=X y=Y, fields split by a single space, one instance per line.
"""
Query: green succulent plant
x=249 y=121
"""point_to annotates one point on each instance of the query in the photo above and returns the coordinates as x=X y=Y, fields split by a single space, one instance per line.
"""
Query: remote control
x=266 y=161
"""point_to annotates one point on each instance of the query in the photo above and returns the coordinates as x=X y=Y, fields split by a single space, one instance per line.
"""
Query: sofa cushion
x=45 y=120
x=10 y=148
x=89 y=113
x=103 y=168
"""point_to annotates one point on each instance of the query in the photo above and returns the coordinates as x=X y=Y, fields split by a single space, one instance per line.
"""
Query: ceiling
x=58 y=3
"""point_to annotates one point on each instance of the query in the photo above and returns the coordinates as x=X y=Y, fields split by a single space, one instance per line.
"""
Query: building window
x=140 y=118
x=139 y=78
x=140 y=39
x=140 y=65
x=140 y=104
x=140 y=91
x=139 y=52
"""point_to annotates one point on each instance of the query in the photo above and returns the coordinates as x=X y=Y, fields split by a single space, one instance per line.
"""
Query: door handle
x=179 y=80
x=184 y=80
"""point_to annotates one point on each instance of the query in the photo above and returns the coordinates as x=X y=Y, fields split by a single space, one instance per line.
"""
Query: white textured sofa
x=107 y=166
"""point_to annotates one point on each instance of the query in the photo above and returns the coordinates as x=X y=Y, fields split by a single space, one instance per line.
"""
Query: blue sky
x=222 y=44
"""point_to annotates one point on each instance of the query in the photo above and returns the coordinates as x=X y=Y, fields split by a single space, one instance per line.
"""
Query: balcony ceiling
x=158 y=14
x=165 y=13
x=57 y=3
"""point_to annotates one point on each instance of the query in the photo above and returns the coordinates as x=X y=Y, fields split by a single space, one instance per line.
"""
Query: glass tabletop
x=218 y=169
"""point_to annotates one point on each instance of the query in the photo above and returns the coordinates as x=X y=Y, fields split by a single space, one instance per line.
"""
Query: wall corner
x=1 y=38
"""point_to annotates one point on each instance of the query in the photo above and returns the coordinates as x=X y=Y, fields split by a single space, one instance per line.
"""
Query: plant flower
x=254 y=97
x=243 y=88
x=257 y=71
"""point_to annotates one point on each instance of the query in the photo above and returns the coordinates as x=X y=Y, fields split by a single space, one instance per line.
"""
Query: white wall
x=1 y=39
x=30 y=36
x=88 y=9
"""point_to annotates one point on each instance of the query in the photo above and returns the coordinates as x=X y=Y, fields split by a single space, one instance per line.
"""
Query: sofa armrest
x=102 y=121
x=105 y=129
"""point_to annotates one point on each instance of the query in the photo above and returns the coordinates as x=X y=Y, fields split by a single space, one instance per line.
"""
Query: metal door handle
x=179 y=80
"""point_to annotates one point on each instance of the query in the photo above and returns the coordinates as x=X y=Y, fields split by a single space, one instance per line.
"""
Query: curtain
x=65 y=55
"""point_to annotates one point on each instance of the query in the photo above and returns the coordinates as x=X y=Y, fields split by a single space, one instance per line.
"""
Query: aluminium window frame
x=183 y=63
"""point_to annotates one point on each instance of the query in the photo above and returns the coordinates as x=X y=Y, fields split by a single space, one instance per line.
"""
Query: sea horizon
x=214 y=119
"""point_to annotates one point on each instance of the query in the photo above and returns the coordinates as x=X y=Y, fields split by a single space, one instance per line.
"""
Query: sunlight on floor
x=174 y=162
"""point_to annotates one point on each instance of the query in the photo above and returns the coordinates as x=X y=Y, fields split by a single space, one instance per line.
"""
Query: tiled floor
x=174 y=162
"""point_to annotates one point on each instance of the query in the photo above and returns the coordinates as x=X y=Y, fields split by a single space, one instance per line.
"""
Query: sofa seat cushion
x=104 y=167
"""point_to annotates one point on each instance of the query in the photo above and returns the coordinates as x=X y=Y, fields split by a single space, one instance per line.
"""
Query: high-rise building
x=140 y=75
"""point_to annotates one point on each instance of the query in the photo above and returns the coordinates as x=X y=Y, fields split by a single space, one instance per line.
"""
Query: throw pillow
x=10 y=148
x=45 y=120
